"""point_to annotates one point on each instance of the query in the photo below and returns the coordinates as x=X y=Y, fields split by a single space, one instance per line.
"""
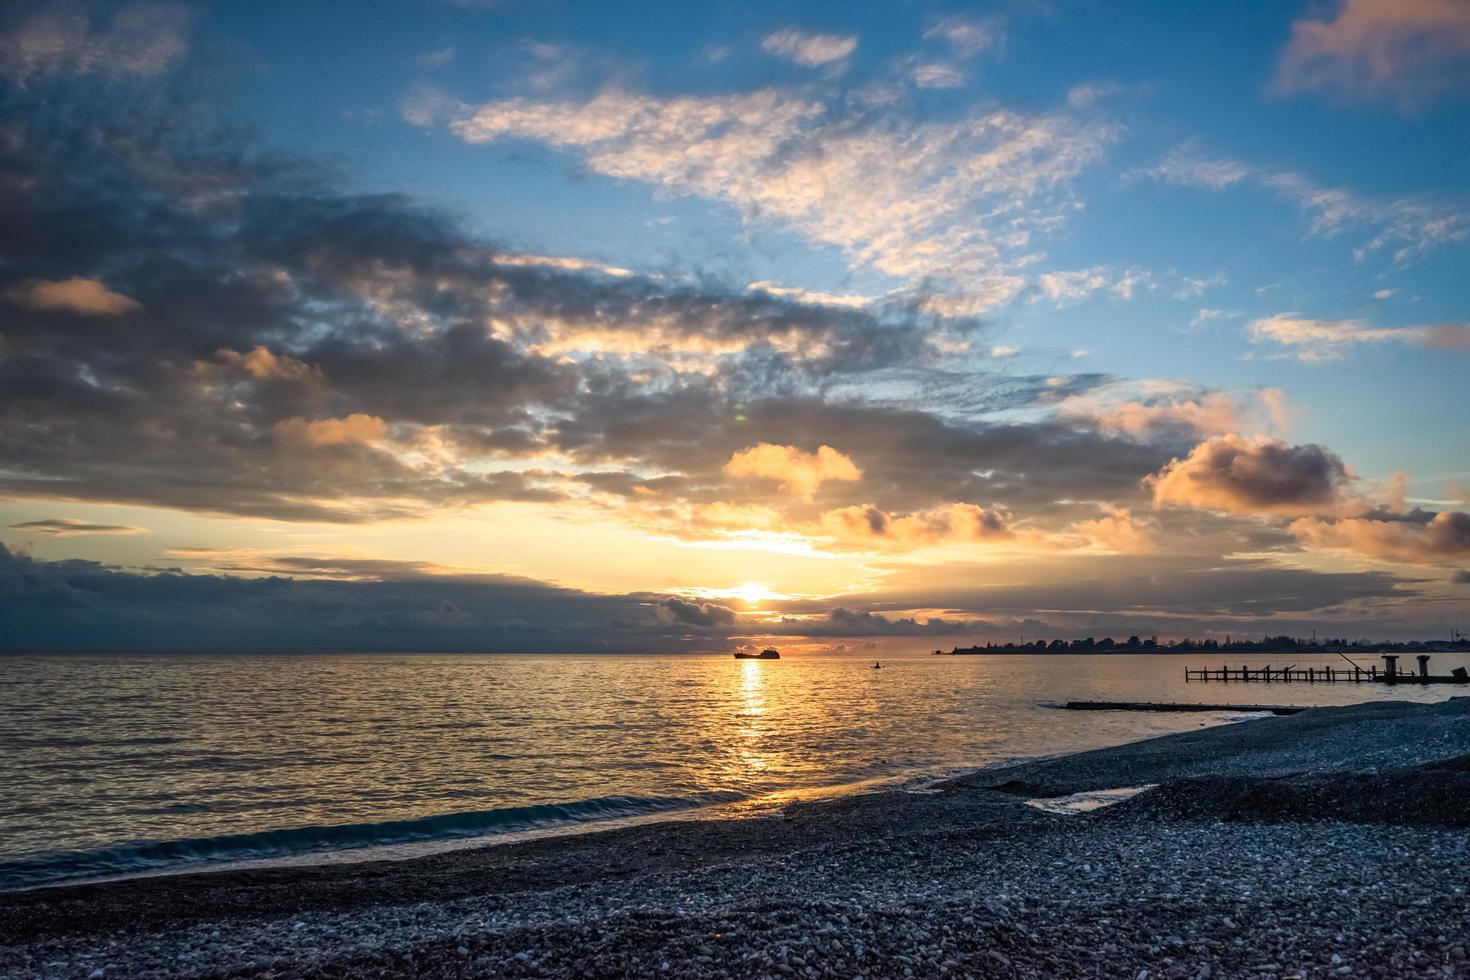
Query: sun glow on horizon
x=754 y=593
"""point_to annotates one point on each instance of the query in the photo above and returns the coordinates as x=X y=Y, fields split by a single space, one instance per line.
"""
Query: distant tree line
x=1266 y=644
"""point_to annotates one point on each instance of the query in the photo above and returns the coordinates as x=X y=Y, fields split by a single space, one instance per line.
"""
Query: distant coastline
x=1267 y=644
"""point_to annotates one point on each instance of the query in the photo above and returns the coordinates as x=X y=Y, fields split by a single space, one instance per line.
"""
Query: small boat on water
x=769 y=653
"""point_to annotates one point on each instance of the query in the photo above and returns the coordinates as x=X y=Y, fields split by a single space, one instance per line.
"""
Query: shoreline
x=963 y=873
x=750 y=808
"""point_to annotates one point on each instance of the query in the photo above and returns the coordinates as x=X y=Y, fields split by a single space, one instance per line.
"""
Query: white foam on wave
x=1088 y=801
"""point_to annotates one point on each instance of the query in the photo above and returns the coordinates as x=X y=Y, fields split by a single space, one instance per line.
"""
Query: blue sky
x=1167 y=75
x=506 y=288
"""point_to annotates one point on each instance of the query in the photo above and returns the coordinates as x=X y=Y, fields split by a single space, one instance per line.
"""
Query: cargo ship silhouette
x=769 y=653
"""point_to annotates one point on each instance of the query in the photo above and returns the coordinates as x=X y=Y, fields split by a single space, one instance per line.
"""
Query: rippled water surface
x=101 y=752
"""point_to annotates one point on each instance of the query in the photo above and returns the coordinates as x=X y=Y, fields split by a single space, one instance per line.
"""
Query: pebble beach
x=1335 y=842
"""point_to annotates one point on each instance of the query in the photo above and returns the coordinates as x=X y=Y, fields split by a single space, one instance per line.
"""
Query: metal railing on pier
x=1350 y=673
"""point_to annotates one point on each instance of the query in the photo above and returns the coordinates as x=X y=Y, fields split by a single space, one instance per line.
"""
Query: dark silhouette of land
x=1266 y=644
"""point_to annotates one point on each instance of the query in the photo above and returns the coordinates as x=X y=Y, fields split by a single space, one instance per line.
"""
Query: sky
x=486 y=325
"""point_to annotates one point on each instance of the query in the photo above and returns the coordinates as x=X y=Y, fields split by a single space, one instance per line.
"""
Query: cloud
x=698 y=614
x=1254 y=476
x=85 y=297
x=1186 y=166
x=1209 y=313
x=1317 y=341
x=954 y=523
x=812 y=296
x=438 y=58
x=1087 y=94
x=262 y=364
x=1409 y=51
x=1196 y=286
x=936 y=74
x=1165 y=409
x=968 y=36
x=1412 y=226
x=856 y=622
x=384 y=606
x=1416 y=537
x=1073 y=286
x=354 y=428
x=800 y=473
x=949 y=207
x=282 y=310
x=142 y=39
x=1117 y=530
x=810 y=50
x=1450 y=336
x=66 y=527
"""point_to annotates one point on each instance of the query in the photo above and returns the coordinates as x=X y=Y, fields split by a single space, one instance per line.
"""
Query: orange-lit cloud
x=1117 y=530
x=355 y=428
x=1417 y=537
x=263 y=365
x=89 y=297
x=867 y=524
x=1255 y=476
x=798 y=472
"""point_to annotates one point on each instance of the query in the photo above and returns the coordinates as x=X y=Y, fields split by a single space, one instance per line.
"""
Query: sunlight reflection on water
x=99 y=750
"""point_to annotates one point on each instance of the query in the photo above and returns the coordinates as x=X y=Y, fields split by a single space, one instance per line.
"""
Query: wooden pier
x=1347 y=673
x=1275 y=709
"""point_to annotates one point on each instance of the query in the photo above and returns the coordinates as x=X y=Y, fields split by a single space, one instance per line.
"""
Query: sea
x=123 y=765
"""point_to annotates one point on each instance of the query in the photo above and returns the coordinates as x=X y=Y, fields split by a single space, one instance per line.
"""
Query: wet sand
x=1333 y=842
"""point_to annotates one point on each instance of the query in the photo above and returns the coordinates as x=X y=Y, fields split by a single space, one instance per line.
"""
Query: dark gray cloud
x=65 y=527
x=306 y=603
x=384 y=606
x=910 y=458
x=254 y=293
x=844 y=622
x=1198 y=586
x=699 y=614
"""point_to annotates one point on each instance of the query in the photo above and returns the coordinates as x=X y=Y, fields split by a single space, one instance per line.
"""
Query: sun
x=752 y=593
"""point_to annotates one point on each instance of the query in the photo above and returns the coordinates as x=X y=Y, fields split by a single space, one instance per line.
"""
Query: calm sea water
x=115 y=765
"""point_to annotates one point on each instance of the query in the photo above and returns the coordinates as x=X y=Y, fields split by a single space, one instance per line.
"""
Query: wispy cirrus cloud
x=952 y=206
x=1408 y=51
x=1186 y=166
x=1410 y=226
x=966 y=35
x=1068 y=286
x=1317 y=341
x=937 y=74
x=806 y=49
